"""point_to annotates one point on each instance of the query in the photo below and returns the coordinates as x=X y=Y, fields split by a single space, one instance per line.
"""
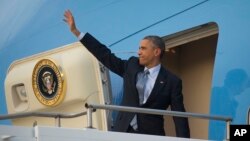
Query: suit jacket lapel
x=160 y=82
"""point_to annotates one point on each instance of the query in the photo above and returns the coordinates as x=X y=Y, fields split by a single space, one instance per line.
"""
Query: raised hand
x=69 y=19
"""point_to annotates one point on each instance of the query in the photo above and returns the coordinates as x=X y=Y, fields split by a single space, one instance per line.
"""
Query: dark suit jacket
x=167 y=92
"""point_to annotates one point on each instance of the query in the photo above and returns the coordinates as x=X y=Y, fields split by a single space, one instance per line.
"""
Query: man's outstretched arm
x=100 y=51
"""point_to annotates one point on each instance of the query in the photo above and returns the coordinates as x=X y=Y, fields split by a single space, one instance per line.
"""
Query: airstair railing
x=93 y=107
x=57 y=116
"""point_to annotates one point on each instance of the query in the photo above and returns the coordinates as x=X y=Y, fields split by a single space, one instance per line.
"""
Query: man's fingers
x=67 y=13
x=68 y=18
x=65 y=20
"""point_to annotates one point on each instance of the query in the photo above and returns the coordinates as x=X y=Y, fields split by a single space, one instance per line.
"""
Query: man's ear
x=157 y=52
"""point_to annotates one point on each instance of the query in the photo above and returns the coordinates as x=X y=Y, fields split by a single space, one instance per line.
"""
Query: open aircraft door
x=59 y=80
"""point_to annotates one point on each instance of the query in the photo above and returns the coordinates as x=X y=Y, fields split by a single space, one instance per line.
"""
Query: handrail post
x=248 y=116
x=58 y=121
x=228 y=130
x=89 y=117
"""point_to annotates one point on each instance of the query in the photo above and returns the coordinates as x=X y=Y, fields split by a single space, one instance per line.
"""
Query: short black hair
x=157 y=41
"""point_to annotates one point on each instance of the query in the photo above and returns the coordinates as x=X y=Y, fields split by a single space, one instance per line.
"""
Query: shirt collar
x=154 y=70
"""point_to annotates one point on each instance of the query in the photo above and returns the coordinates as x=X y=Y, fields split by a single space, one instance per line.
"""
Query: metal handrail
x=156 y=112
x=93 y=107
x=57 y=116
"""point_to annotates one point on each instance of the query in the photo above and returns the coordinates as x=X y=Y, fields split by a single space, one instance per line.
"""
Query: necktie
x=141 y=85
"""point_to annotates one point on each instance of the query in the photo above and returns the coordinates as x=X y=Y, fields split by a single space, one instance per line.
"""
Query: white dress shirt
x=81 y=36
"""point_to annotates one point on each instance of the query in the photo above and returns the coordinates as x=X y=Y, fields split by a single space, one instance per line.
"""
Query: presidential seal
x=48 y=83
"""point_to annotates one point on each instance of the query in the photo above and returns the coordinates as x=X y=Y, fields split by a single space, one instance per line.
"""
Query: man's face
x=148 y=53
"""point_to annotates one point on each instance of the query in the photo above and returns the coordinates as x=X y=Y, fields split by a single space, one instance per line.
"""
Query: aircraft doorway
x=190 y=54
